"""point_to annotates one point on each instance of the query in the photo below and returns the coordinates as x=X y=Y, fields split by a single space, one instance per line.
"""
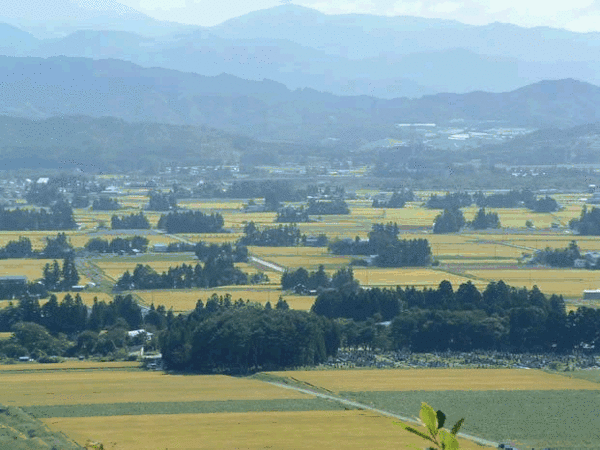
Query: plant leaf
x=441 y=418
x=414 y=431
x=429 y=418
x=448 y=441
x=457 y=426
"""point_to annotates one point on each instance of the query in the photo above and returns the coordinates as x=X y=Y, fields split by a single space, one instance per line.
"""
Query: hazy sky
x=576 y=15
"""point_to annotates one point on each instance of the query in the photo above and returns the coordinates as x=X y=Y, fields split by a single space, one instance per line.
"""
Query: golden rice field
x=81 y=387
x=438 y=380
x=33 y=269
x=5 y=335
x=211 y=238
x=68 y=366
x=417 y=277
x=236 y=220
x=186 y=299
x=568 y=282
x=215 y=205
x=330 y=262
x=252 y=431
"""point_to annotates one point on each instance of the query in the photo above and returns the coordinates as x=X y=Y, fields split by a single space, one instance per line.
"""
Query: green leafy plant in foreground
x=434 y=421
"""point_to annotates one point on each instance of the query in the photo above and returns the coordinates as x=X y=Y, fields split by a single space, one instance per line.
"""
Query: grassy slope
x=20 y=431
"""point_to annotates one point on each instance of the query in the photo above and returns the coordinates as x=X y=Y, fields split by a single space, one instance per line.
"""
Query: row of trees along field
x=588 y=223
x=389 y=250
x=512 y=199
x=281 y=236
x=57 y=279
x=56 y=247
x=58 y=217
x=397 y=200
x=69 y=328
x=499 y=318
x=218 y=270
x=117 y=245
x=237 y=336
x=452 y=220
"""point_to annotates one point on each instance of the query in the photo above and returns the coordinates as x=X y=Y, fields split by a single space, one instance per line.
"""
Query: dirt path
x=357 y=405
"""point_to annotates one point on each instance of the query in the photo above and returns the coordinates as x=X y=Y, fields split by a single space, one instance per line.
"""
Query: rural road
x=343 y=401
x=268 y=264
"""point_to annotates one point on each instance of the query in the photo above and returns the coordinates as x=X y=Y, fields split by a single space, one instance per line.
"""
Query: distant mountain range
x=39 y=88
x=109 y=144
x=385 y=57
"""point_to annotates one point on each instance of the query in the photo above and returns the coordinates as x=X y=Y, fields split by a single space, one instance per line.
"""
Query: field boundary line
x=362 y=406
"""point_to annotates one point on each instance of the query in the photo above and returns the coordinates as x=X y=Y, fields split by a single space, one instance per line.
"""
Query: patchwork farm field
x=437 y=380
x=126 y=408
x=99 y=387
x=253 y=431
x=529 y=408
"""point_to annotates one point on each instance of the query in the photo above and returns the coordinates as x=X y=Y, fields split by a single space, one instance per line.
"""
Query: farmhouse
x=591 y=294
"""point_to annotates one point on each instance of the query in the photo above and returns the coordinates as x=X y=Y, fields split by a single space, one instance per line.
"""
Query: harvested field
x=438 y=380
x=280 y=430
x=126 y=386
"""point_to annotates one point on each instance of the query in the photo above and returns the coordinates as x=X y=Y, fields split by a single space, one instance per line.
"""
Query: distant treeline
x=70 y=328
x=105 y=204
x=389 y=250
x=58 y=247
x=290 y=214
x=281 y=236
x=191 y=222
x=301 y=280
x=397 y=200
x=564 y=257
x=512 y=199
x=59 y=217
x=130 y=222
x=161 y=202
x=215 y=272
x=498 y=318
x=324 y=207
x=588 y=223
x=117 y=245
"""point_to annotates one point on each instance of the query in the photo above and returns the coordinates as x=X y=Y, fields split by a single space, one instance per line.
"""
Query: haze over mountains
x=41 y=88
x=351 y=54
x=288 y=75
